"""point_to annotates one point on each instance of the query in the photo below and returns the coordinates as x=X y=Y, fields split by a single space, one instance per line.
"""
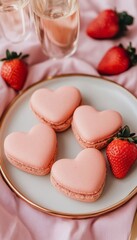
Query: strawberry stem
x=13 y=55
x=131 y=51
x=124 y=134
x=132 y=54
x=124 y=20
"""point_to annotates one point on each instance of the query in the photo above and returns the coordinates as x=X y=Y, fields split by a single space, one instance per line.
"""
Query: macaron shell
x=92 y=125
x=85 y=174
x=57 y=127
x=35 y=148
x=55 y=106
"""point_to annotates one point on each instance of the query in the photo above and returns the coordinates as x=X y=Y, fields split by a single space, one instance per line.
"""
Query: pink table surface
x=18 y=220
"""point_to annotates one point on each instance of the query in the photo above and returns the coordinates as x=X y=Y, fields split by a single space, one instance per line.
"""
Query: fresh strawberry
x=14 y=70
x=117 y=60
x=122 y=152
x=109 y=24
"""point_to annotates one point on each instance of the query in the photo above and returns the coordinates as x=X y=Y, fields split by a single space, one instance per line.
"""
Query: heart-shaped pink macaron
x=56 y=107
x=32 y=151
x=82 y=178
x=93 y=128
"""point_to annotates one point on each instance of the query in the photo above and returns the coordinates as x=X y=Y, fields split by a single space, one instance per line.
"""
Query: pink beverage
x=57 y=27
x=15 y=19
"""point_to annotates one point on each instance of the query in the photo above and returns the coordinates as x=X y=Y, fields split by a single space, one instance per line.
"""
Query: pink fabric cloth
x=20 y=221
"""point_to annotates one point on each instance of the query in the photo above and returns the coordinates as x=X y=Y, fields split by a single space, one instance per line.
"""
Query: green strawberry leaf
x=25 y=56
x=131 y=140
x=13 y=55
x=119 y=134
x=124 y=134
x=8 y=55
x=126 y=131
x=132 y=134
x=132 y=54
x=135 y=139
x=20 y=54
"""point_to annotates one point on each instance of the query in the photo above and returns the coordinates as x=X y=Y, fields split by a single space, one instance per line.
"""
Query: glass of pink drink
x=57 y=25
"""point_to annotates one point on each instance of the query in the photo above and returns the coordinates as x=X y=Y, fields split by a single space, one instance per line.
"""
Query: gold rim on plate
x=43 y=209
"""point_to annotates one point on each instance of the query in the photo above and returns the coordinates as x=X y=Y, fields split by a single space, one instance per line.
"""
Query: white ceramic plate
x=37 y=190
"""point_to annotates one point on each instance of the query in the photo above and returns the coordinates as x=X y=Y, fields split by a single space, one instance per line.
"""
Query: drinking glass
x=57 y=25
x=15 y=19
